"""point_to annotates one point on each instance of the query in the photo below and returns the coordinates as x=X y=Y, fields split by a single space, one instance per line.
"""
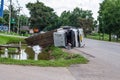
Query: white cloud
x=60 y=5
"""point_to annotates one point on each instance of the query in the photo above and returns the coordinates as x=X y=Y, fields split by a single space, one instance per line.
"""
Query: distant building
x=24 y=29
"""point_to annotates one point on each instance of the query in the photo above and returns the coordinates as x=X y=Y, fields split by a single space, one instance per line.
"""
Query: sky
x=61 y=5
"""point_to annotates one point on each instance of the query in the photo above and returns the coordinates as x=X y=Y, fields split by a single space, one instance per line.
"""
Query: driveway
x=104 y=61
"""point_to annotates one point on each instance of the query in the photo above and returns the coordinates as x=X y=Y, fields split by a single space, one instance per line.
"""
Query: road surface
x=104 y=61
x=15 y=72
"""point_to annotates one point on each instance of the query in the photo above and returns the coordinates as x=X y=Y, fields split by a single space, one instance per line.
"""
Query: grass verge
x=58 y=58
x=10 y=39
x=98 y=36
x=44 y=63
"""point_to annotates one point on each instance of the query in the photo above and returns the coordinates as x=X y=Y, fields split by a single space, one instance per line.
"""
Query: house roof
x=24 y=28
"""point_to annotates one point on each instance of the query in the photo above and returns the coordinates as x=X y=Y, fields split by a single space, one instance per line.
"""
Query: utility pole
x=10 y=16
x=19 y=8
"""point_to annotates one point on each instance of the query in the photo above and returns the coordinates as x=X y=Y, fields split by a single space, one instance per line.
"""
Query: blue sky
x=60 y=5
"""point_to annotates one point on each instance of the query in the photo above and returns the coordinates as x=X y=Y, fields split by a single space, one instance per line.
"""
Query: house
x=24 y=29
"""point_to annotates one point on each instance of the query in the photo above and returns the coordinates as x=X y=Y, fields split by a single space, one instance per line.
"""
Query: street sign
x=13 y=21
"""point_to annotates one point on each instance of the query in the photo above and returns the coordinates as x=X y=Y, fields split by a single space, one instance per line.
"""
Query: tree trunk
x=103 y=36
x=85 y=32
x=110 y=36
x=117 y=37
x=99 y=36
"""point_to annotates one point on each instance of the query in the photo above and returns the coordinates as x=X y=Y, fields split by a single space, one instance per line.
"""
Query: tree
x=53 y=23
x=2 y=21
x=95 y=23
x=6 y=17
x=78 y=18
x=23 y=20
x=41 y=16
x=109 y=17
x=14 y=17
x=64 y=18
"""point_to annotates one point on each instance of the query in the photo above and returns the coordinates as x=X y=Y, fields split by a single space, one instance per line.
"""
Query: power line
x=20 y=7
x=18 y=3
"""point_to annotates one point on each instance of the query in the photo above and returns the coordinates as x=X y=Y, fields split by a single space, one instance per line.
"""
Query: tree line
x=109 y=18
x=44 y=18
x=23 y=19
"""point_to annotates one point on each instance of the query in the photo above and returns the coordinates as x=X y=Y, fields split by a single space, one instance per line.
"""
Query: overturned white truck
x=62 y=37
x=67 y=36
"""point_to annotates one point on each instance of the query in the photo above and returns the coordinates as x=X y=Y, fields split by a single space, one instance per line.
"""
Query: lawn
x=98 y=36
x=10 y=39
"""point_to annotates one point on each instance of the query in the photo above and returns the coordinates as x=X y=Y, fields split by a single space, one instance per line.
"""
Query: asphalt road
x=104 y=61
x=15 y=72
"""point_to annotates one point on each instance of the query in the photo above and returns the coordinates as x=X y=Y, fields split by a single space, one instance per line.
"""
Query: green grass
x=59 y=59
x=53 y=63
x=10 y=39
x=15 y=34
x=46 y=63
x=97 y=36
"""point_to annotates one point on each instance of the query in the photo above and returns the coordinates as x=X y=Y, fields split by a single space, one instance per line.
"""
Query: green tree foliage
x=14 y=16
x=42 y=17
x=23 y=20
x=64 y=18
x=14 y=19
x=2 y=20
x=78 y=18
x=53 y=22
x=5 y=18
x=109 y=17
